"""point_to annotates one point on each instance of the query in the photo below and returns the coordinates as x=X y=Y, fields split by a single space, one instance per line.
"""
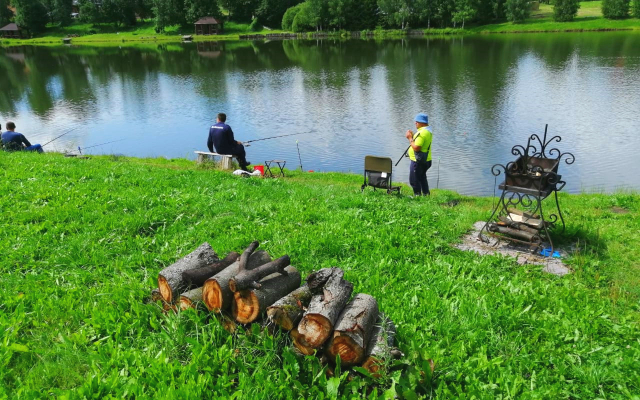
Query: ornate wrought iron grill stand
x=530 y=179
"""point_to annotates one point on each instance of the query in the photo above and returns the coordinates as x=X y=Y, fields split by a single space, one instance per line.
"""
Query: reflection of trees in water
x=476 y=67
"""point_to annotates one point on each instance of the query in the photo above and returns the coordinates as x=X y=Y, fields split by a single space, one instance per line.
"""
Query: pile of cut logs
x=519 y=225
x=320 y=315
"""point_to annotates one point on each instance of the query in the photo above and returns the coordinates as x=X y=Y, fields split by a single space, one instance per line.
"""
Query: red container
x=259 y=168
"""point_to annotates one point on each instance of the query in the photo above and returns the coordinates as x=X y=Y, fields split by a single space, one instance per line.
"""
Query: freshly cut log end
x=212 y=295
x=191 y=299
x=373 y=365
x=246 y=308
x=249 y=305
x=287 y=312
x=216 y=293
x=380 y=346
x=351 y=353
x=315 y=329
x=171 y=281
x=299 y=343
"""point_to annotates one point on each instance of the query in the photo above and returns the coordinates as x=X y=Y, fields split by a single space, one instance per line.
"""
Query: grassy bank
x=589 y=19
x=83 y=241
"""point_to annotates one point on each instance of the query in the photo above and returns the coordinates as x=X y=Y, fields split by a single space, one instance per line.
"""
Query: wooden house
x=208 y=26
x=11 y=31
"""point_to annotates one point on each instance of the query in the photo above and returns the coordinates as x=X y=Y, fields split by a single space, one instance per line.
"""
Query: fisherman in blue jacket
x=14 y=141
x=221 y=137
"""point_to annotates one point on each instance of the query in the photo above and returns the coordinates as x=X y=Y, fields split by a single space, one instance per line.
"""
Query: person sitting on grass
x=14 y=141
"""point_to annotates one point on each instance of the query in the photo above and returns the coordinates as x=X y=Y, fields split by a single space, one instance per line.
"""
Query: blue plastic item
x=547 y=252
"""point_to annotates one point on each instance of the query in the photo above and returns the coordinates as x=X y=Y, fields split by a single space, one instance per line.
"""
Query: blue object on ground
x=547 y=252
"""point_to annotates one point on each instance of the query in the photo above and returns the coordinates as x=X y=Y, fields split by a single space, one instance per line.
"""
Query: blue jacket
x=14 y=140
x=221 y=136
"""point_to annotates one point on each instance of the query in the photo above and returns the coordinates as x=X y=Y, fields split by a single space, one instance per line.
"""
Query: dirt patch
x=619 y=210
x=521 y=253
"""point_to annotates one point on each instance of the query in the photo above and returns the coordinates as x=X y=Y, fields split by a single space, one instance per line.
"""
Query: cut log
x=227 y=323
x=353 y=330
x=156 y=295
x=250 y=304
x=380 y=345
x=170 y=281
x=287 y=312
x=216 y=293
x=324 y=309
x=191 y=299
x=196 y=277
x=318 y=279
x=514 y=233
x=300 y=344
x=248 y=278
x=504 y=221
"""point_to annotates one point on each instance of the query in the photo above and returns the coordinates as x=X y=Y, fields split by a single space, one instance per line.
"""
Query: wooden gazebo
x=208 y=26
x=11 y=31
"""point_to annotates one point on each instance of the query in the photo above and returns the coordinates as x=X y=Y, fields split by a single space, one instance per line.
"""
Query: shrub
x=614 y=9
x=635 y=10
x=565 y=10
x=289 y=15
x=517 y=10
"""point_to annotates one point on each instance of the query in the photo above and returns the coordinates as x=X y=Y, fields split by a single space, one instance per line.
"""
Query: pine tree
x=615 y=9
x=565 y=10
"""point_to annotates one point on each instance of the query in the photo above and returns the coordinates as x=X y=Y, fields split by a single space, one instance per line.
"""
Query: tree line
x=298 y=15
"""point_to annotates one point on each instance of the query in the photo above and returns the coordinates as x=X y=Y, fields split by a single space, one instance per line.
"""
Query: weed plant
x=83 y=241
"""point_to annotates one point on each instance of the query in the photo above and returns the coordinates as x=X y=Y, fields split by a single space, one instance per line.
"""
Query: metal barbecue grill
x=532 y=177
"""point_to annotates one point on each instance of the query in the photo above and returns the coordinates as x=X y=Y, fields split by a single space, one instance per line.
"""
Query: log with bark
x=317 y=280
x=380 y=346
x=227 y=323
x=353 y=330
x=504 y=221
x=216 y=293
x=248 y=305
x=196 y=277
x=156 y=295
x=170 y=280
x=287 y=312
x=191 y=299
x=514 y=233
x=324 y=309
x=248 y=278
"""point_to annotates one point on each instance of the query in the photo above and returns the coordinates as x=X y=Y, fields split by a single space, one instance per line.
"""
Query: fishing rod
x=301 y=169
x=273 y=137
x=101 y=144
x=403 y=156
x=58 y=137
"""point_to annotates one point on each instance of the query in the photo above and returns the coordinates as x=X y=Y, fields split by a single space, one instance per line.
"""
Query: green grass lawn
x=83 y=241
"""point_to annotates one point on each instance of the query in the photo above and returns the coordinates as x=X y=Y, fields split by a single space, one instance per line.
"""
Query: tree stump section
x=287 y=312
x=248 y=278
x=216 y=293
x=317 y=280
x=196 y=277
x=324 y=309
x=353 y=330
x=170 y=280
x=250 y=304
x=299 y=343
x=191 y=299
x=380 y=345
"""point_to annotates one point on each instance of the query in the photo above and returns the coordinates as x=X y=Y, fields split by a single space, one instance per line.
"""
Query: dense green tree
x=119 y=12
x=196 y=9
x=144 y=8
x=425 y=11
x=242 y=10
x=271 y=12
x=167 y=13
x=615 y=9
x=635 y=9
x=364 y=15
x=61 y=12
x=397 y=12
x=339 y=12
x=289 y=15
x=318 y=11
x=464 y=11
x=303 y=21
x=518 y=10
x=565 y=10
x=89 y=11
x=30 y=15
x=5 y=13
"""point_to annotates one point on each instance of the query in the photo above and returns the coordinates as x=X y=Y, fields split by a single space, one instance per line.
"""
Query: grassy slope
x=589 y=18
x=83 y=241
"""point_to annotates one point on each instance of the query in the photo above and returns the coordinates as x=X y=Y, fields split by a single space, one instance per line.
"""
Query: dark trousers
x=418 y=178
x=239 y=152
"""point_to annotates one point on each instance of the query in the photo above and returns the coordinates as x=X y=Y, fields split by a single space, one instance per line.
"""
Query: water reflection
x=484 y=94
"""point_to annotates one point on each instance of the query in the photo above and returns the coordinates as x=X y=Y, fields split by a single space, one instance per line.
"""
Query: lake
x=347 y=99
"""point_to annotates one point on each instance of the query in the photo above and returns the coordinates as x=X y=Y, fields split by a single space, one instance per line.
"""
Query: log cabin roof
x=10 y=27
x=207 y=21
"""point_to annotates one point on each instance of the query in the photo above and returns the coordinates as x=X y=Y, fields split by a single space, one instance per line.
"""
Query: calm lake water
x=484 y=94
